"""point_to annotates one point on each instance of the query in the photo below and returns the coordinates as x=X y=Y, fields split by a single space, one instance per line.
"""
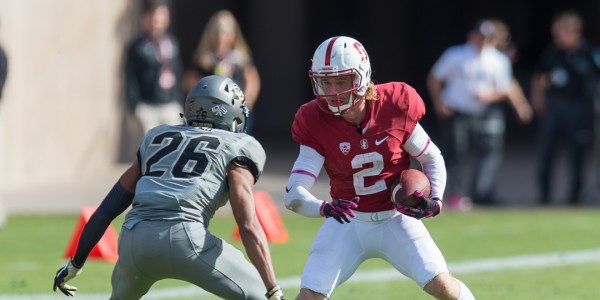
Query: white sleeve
x=420 y=146
x=297 y=195
x=504 y=74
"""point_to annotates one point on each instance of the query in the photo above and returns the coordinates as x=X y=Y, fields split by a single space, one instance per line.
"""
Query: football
x=410 y=180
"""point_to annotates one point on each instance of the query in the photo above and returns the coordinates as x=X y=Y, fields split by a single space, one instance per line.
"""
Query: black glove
x=63 y=275
x=428 y=207
x=339 y=209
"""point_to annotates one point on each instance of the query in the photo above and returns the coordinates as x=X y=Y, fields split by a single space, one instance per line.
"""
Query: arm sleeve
x=115 y=203
x=420 y=146
x=298 y=197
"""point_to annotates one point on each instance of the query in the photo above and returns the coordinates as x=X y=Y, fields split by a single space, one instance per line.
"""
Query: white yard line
x=375 y=275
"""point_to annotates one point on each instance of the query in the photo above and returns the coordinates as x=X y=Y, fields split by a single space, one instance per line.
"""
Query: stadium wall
x=62 y=111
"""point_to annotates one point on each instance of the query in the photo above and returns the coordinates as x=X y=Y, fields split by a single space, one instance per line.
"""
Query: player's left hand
x=339 y=209
x=428 y=207
x=63 y=275
x=275 y=293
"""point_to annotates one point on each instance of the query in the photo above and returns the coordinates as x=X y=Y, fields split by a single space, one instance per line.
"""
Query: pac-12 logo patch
x=345 y=147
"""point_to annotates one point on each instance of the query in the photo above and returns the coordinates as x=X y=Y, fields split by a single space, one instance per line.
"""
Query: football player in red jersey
x=364 y=135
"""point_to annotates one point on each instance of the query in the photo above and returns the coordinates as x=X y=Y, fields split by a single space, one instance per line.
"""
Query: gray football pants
x=155 y=250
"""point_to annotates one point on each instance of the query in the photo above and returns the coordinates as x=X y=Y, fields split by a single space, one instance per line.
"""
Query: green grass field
x=31 y=249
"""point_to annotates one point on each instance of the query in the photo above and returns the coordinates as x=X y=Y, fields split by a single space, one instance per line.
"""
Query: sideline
x=375 y=275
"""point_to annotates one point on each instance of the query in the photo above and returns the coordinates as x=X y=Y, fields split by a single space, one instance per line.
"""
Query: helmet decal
x=219 y=110
x=361 y=51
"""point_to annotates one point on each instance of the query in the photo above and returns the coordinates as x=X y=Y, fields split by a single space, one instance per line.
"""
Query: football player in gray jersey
x=181 y=176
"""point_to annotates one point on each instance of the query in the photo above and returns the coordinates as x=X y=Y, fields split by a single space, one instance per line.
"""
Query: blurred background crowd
x=85 y=79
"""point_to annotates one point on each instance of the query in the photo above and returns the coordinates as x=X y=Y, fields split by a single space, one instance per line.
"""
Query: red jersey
x=363 y=164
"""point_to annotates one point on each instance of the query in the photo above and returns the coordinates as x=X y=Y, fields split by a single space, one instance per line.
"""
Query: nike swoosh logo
x=287 y=190
x=378 y=142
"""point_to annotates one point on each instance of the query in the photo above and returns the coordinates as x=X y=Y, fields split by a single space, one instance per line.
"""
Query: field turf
x=31 y=249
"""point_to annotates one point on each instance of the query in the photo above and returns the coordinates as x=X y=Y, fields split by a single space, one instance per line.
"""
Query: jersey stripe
x=305 y=173
x=424 y=148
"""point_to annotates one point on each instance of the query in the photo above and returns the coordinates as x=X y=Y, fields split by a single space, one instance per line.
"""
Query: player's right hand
x=339 y=209
x=63 y=275
x=428 y=207
x=275 y=293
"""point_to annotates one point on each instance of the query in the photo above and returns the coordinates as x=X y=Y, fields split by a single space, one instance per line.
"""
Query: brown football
x=410 y=180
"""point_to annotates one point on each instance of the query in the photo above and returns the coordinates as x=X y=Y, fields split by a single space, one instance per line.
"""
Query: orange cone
x=106 y=248
x=269 y=219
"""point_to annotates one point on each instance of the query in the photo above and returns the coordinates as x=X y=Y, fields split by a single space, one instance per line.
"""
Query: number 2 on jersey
x=359 y=177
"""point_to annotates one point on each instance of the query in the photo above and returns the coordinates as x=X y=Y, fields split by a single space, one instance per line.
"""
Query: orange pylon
x=269 y=219
x=106 y=248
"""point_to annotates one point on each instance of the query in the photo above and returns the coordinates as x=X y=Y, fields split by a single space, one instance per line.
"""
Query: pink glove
x=428 y=207
x=339 y=209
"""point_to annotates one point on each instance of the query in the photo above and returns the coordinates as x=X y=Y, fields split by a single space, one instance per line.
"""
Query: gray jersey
x=184 y=172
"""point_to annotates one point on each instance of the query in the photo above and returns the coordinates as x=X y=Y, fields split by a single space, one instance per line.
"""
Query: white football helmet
x=336 y=57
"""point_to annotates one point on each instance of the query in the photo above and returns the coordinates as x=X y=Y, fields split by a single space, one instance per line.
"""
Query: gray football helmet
x=216 y=102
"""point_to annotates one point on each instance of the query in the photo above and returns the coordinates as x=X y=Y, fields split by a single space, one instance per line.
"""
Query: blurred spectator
x=222 y=50
x=154 y=71
x=3 y=75
x=562 y=94
x=3 y=69
x=516 y=97
x=468 y=85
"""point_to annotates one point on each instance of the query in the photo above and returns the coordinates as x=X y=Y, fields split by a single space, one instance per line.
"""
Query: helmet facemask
x=340 y=91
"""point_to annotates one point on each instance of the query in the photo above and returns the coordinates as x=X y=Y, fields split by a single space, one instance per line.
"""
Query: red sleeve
x=301 y=128
x=415 y=108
